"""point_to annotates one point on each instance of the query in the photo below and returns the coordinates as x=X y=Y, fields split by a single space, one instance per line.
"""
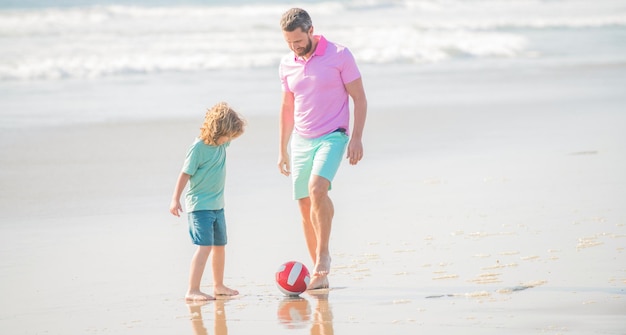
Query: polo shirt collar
x=320 y=49
x=321 y=45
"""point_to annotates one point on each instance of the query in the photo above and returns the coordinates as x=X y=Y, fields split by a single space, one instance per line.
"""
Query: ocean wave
x=430 y=14
x=97 y=41
x=98 y=55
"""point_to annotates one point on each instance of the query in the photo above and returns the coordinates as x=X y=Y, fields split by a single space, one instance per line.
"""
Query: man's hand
x=355 y=151
x=283 y=164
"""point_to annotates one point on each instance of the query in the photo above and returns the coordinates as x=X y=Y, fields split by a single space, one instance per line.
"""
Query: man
x=317 y=79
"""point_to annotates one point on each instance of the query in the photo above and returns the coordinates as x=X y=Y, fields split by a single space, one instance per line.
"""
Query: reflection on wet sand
x=197 y=323
x=295 y=312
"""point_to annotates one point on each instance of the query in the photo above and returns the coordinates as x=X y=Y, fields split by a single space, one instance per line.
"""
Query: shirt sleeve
x=190 y=166
x=283 y=79
x=350 y=71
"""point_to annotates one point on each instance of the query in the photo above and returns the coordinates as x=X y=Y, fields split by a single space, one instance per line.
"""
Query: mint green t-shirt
x=206 y=164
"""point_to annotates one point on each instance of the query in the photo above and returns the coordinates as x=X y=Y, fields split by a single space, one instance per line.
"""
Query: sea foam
x=99 y=41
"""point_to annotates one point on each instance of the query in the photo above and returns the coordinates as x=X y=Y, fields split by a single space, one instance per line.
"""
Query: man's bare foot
x=197 y=295
x=318 y=281
x=322 y=268
x=223 y=290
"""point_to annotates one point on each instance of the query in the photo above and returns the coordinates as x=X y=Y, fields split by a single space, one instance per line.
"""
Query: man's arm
x=286 y=123
x=357 y=93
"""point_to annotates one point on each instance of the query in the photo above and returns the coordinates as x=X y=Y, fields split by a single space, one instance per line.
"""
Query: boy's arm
x=175 y=207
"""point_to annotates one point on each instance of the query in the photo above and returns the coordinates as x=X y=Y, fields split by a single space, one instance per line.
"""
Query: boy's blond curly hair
x=221 y=120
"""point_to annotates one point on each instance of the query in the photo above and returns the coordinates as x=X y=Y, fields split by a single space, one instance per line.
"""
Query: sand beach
x=491 y=198
x=474 y=215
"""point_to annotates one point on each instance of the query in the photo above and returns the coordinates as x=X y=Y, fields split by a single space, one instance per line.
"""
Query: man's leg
x=307 y=227
x=322 y=212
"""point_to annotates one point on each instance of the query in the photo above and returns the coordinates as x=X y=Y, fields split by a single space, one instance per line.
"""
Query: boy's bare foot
x=223 y=290
x=197 y=295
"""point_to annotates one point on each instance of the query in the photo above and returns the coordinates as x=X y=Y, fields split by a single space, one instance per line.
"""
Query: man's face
x=299 y=41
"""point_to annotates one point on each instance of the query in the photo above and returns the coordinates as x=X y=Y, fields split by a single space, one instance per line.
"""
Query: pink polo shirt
x=321 y=99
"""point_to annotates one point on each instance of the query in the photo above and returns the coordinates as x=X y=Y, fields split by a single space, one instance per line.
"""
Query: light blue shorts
x=317 y=156
x=207 y=227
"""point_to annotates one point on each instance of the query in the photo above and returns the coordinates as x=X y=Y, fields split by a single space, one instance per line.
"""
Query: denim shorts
x=207 y=227
x=317 y=156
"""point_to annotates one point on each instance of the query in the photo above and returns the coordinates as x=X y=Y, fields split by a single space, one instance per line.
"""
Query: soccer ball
x=292 y=278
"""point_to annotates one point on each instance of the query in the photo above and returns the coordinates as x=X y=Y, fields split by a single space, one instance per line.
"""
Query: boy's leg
x=218 y=263
x=198 y=263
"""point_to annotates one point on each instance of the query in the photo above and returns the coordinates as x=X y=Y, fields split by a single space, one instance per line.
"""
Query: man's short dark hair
x=296 y=18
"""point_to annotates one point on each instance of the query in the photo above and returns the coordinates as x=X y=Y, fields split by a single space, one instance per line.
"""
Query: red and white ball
x=292 y=278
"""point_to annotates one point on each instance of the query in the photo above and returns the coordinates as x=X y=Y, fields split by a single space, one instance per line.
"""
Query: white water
x=106 y=39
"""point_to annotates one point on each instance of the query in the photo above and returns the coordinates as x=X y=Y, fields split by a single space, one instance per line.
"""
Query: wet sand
x=475 y=216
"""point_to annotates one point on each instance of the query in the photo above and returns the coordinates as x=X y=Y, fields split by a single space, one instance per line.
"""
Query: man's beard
x=307 y=49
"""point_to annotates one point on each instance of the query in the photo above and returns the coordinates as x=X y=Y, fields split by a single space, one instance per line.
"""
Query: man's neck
x=313 y=47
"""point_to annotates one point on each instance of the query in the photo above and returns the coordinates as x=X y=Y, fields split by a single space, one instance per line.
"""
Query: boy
x=205 y=170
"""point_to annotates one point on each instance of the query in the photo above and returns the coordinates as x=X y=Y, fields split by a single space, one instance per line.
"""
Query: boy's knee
x=205 y=249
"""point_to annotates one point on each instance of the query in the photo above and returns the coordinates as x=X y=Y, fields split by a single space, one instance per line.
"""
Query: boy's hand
x=176 y=208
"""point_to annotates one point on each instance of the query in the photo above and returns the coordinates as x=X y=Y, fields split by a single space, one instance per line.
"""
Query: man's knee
x=318 y=187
